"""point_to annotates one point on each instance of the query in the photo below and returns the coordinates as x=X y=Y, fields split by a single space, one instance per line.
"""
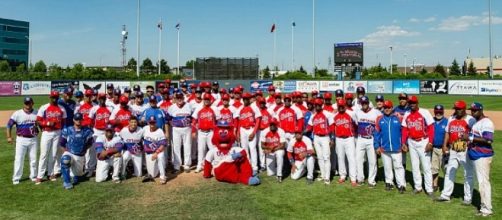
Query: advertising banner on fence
x=490 y=87
x=289 y=86
x=307 y=86
x=330 y=86
x=351 y=86
x=463 y=87
x=279 y=86
x=94 y=85
x=10 y=88
x=434 y=87
x=379 y=87
x=407 y=86
x=119 y=84
x=259 y=85
x=61 y=85
x=36 y=87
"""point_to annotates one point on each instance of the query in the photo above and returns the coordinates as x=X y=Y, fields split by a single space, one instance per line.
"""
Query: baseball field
x=191 y=196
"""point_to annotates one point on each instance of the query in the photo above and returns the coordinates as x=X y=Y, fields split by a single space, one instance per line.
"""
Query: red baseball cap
x=287 y=96
x=460 y=104
x=315 y=92
x=167 y=81
x=271 y=88
x=318 y=102
x=207 y=96
x=223 y=91
x=327 y=95
x=237 y=90
x=349 y=96
x=274 y=121
x=413 y=99
x=278 y=95
x=101 y=95
x=162 y=85
x=261 y=100
x=123 y=100
x=225 y=97
x=341 y=102
x=388 y=104
x=54 y=94
x=259 y=93
x=247 y=95
x=89 y=92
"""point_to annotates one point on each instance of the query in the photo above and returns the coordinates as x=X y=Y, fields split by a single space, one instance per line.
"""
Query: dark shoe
x=441 y=199
x=279 y=179
x=147 y=178
x=402 y=189
x=263 y=169
x=310 y=181
x=371 y=185
x=388 y=187
x=175 y=172
x=415 y=191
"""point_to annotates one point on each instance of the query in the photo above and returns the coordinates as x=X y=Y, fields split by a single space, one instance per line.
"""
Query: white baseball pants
x=136 y=162
x=364 y=147
x=103 y=167
x=204 y=144
x=23 y=146
x=49 y=143
x=275 y=163
x=91 y=159
x=393 y=159
x=182 y=137
x=76 y=164
x=304 y=166
x=323 y=152
x=420 y=157
x=249 y=146
x=345 y=147
x=260 y=150
x=154 y=167
x=456 y=159
x=482 y=168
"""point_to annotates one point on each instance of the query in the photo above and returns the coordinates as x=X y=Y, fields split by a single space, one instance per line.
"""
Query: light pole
x=490 y=36
x=405 y=66
x=30 y=53
x=313 y=38
x=160 y=43
x=137 y=40
x=390 y=60
x=414 y=69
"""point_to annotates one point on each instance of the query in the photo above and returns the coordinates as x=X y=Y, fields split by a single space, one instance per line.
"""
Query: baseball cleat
x=175 y=172
x=388 y=187
x=371 y=185
x=198 y=170
x=279 y=179
x=163 y=181
x=467 y=203
x=15 y=182
x=38 y=181
x=117 y=181
x=402 y=189
x=319 y=178
x=310 y=181
x=417 y=191
x=67 y=186
x=53 y=178
x=341 y=181
x=441 y=199
x=484 y=214
x=327 y=181
x=147 y=178
x=186 y=169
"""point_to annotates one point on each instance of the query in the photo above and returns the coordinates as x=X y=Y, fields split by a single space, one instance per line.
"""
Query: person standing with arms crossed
x=248 y=121
x=437 y=163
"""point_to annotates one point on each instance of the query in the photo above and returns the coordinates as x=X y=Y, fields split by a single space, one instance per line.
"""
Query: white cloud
x=385 y=34
x=464 y=23
x=418 y=45
x=430 y=19
x=414 y=20
x=425 y=20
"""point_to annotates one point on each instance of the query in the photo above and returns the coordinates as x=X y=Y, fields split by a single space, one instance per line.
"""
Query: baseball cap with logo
x=136 y=88
x=78 y=116
x=259 y=93
x=68 y=90
x=109 y=127
x=339 y=93
x=109 y=86
x=89 y=92
x=364 y=99
x=167 y=81
x=54 y=94
x=318 y=102
x=274 y=121
x=225 y=97
x=101 y=95
x=438 y=109
x=341 y=102
x=460 y=104
x=27 y=100
x=207 y=96
x=117 y=91
x=223 y=91
x=360 y=89
x=79 y=94
x=271 y=88
x=123 y=100
x=476 y=106
x=379 y=98
x=388 y=104
x=198 y=89
x=247 y=95
x=127 y=90
x=152 y=120
x=403 y=96
x=349 y=96
x=413 y=99
x=261 y=100
x=139 y=94
x=215 y=83
x=152 y=99
x=327 y=95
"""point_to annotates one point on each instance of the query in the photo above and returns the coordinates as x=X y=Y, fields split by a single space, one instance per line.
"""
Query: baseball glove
x=459 y=146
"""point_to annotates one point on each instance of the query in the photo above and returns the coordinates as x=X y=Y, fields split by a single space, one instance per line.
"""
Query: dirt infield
x=496 y=117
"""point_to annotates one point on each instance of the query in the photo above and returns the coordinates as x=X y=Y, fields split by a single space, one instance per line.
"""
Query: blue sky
x=70 y=31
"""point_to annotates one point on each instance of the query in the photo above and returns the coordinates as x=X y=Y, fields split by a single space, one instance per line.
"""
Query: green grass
x=208 y=199
x=491 y=103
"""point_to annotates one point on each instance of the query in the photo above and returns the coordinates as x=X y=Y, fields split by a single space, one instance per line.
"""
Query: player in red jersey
x=345 y=123
x=266 y=117
x=290 y=117
x=120 y=116
x=249 y=118
x=204 y=121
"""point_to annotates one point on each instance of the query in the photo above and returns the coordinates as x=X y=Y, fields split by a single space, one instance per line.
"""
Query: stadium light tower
x=490 y=37
x=123 y=45
x=137 y=39
x=391 y=59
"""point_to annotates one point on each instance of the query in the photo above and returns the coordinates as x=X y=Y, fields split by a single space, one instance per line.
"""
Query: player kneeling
x=301 y=157
x=133 y=149
x=154 y=144
x=75 y=141
x=273 y=142
x=108 y=148
x=228 y=164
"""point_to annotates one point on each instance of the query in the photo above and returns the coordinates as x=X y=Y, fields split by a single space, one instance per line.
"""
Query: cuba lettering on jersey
x=216 y=156
x=85 y=110
x=247 y=115
x=120 y=118
x=458 y=127
x=297 y=148
x=289 y=118
x=25 y=123
x=227 y=114
x=55 y=114
x=100 y=116
x=366 y=122
x=180 y=116
x=206 y=117
x=483 y=128
x=266 y=116
x=153 y=140
x=137 y=110
x=344 y=124
x=417 y=123
x=103 y=144
x=321 y=122
x=76 y=142
x=272 y=139
x=132 y=140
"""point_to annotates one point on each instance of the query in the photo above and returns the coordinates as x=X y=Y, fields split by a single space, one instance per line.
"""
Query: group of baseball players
x=119 y=133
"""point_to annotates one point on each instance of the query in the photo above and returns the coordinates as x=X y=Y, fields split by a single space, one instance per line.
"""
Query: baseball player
x=440 y=123
x=248 y=120
x=271 y=96
x=278 y=103
x=154 y=111
x=360 y=92
x=26 y=140
x=85 y=108
x=108 y=150
x=226 y=110
x=197 y=100
x=74 y=140
x=400 y=110
x=339 y=94
x=298 y=102
x=132 y=137
x=120 y=116
x=50 y=118
x=459 y=125
x=166 y=102
x=290 y=117
x=69 y=105
x=109 y=92
x=100 y=117
x=149 y=92
x=79 y=96
x=387 y=143
x=273 y=142
x=418 y=129
x=204 y=122
x=137 y=108
x=266 y=117
x=328 y=106
x=366 y=118
x=214 y=91
x=179 y=117
x=154 y=144
x=379 y=99
x=301 y=157
x=345 y=121
x=480 y=154
x=114 y=102
x=349 y=99
x=236 y=101
x=321 y=125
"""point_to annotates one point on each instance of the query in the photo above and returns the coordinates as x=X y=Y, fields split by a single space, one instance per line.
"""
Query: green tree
x=40 y=67
x=302 y=70
x=147 y=65
x=21 y=68
x=4 y=66
x=131 y=64
x=190 y=64
x=455 y=68
x=164 y=68
x=78 y=68
x=440 y=69
x=321 y=73
x=266 y=73
x=423 y=71
x=54 y=68
x=471 y=70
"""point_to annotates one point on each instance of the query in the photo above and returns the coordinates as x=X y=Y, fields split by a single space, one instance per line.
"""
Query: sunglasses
x=403 y=98
x=149 y=91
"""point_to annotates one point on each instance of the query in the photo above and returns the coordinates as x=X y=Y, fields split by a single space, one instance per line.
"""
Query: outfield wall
x=454 y=87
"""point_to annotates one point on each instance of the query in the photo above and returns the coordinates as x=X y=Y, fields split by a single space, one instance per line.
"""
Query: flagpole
x=293 y=46
x=137 y=40
x=313 y=38
x=178 y=56
x=160 y=41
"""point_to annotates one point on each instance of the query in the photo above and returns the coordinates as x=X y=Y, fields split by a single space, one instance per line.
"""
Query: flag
x=272 y=29
x=294 y=24
x=159 y=25
x=178 y=26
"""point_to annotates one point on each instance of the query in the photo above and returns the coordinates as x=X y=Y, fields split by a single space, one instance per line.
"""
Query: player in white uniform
x=108 y=148
x=180 y=119
x=154 y=143
x=273 y=142
x=366 y=118
x=301 y=157
x=133 y=149
x=138 y=107
x=204 y=121
x=26 y=141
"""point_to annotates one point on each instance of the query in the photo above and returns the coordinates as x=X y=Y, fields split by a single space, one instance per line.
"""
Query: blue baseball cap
x=476 y=106
x=127 y=89
x=152 y=98
x=109 y=86
x=109 y=127
x=79 y=94
x=28 y=100
x=438 y=108
x=339 y=93
x=68 y=90
x=78 y=116
x=360 y=89
x=379 y=98
x=364 y=99
x=139 y=94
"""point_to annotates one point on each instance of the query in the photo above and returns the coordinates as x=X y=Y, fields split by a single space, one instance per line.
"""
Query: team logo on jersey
x=50 y=114
x=415 y=124
x=206 y=115
x=286 y=115
x=245 y=115
x=342 y=121
x=102 y=116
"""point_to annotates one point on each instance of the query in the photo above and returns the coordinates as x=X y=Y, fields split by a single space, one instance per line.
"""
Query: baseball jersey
x=180 y=116
x=400 y=110
x=137 y=110
x=120 y=118
x=303 y=107
x=357 y=106
x=70 y=107
x=215 y=156
x=366 y=122
x=132 y=140
x=196 y=103
x=247 y=116
x=153 y=140
x=160 y=117
x=100 y=116
x=227 y=114
x=388 y=133
x=272 y=139
x=85 y=109
x=164 y=105
x=25 y=123
x=289 y=118
x=55 y=114
x=270 y=101
x=329 y=108
x=344 y=124
x=102 y=143
x=236 y=103
x=483 y=128
x=205 y=117
x=266 y=116
x=321 y=122
x=277 y=107
x=296 y=148
x=76 y=141
x=439 y=131
x=417 y=123
x=458 y=127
